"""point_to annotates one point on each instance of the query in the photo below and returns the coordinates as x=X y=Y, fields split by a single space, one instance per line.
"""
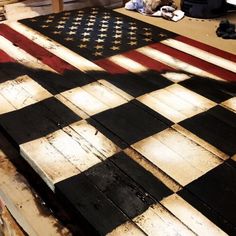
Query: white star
x=102 y=35
x=114 y=48
x=103 y=30
x=98 y=47
x=71 y=32
x=97 y=54
x=132 y=43
x=60 y=26
x=100 y=40
x=73 y=27
x=85 y=34
x=85 y=39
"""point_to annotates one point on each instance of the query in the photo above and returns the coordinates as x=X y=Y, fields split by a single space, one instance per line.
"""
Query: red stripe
x=35 y=50
x=213 y=50
x=5 y=58
x=191 y=60
x=147 y=61
x=111 y=67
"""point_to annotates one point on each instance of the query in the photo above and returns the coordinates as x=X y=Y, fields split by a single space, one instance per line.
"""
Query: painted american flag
x=131 y=124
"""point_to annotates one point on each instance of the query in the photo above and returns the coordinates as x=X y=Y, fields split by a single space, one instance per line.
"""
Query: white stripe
x=175 y=63
x=204 y=55
x=57 y=49
x=128 y=63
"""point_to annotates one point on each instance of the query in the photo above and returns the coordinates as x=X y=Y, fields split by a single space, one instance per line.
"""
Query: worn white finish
x=126 y=229
x=154 y=170
x=174 y=153
x=176 y=102
x=104 y=146
x=23 y=91
x=50 y=164
x=200 y=142
x=23 y=204
x=156 y=220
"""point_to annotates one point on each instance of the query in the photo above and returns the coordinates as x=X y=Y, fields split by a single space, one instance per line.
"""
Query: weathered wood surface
x=23 y=204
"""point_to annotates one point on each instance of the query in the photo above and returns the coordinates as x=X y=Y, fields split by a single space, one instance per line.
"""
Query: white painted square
x=176 y=102
x=94 y=98
x=23 y=91
x=230 y=104
x=177 y=156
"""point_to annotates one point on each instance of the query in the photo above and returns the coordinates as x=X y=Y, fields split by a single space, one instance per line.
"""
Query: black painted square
x=130 y=122
x=37 y=120
x=90 y=203
x=216 y=126
x=140 y=83
x=217 y=91
x=141 y=176
x=214 y=195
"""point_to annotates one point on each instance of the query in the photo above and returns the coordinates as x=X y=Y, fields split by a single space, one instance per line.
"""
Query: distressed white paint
x=104 y=94
x=200 y=142
x=75 y=150
x=85 y=101
x=23 y=91
x=126 y=229
x=50 y=164
x=105 y=146
x=5 y=105
x=174 y=153
x=156 y=220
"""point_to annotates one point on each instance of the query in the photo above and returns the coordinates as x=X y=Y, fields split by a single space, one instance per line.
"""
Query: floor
x=176 y=128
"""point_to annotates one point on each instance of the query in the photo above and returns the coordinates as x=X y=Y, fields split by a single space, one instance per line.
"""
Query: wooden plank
x=5 y=105
x=23 y=204
x=127 y=229
x=21 y=56
x=8 y=226
x=50 y=164
x=200 y=142
x=57 y=5
x=174 y=153
x=96 y=138
x=91 y=204
x=156 y=220
x=23 y=91
x=141 y=176
x=154 y=170
x=57 y=49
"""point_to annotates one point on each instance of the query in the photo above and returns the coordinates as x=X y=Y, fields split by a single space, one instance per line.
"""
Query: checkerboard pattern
x=137 y=141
